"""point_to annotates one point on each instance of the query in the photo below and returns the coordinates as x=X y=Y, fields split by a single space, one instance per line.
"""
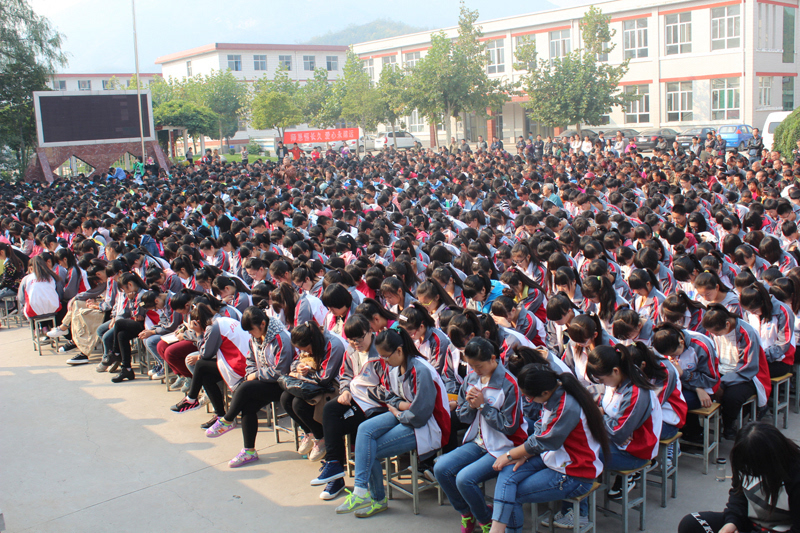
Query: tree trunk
x=220 y=136
x=394 y=136
x=463 y=124
x=447 y=126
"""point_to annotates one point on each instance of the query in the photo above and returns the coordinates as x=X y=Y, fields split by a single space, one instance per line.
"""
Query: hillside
x=377 y=29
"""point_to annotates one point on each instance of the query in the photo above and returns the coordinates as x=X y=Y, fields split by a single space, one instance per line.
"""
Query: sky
x=98 y=34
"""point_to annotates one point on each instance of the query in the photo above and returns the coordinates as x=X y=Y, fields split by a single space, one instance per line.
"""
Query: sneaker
x=187 y=384
x=567 y=521
x=178 y=383
x=153 y=370
x=103 y=366
x=243 y=458
x=126 y=374
x=354 y=503
x=306 y=445
x=374 y=508
x=546 y=520
x=203 y=399
x=159 y=374
x=219 y=428
x=485 y=528
x=332 y=489
x=425 y=469
x=68 y=347
x=206 y=425
x=56 y=333
x=615 y=492
x=79 y=359
x=468 y=524
x=185 y=405
x=330 y=471
x=317 y=452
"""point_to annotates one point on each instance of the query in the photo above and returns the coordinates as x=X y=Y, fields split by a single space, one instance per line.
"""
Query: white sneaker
x=306 y=445
x=567 y=521
x=317 y=452
x=546 y=520
x=56 y=333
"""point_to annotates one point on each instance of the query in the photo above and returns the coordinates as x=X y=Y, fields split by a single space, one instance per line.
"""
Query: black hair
x=479 y=349
x=602 y=360
x=370 y=307
x=356 y=326
x=626 y=320
x=310 y=334
x=640 y=277
x=710 y=280
x=392 y=339
x=430 y=288
x=254 y=316
x=599 y=287
x=414 y=316
x=674 y=307
x=336 y=295
x=583 y=328
x=787 y=290
x=717 y=317
x=667 y=338
x=475 y=283
x=461 y=326
x=756 y=296
x=646 y=360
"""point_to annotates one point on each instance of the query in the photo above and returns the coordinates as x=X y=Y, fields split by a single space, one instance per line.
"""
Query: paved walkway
x=81 y=454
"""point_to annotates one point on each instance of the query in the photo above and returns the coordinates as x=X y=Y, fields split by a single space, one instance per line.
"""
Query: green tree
x=24 y=34
x=227 y=97
x=577 y=88
x=113 y=84
x=361 y=102
x=198 y=120
x=161 y=91
x=787 y=134
x=274 y=110
x=392 y=90
x=311 y=99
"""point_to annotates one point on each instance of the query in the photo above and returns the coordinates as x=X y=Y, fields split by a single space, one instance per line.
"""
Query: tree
x=198 y=120
x=577 y=88
x=113 y=84
x=787 y=134
x=392 y=90
x=24 y=34
x=274 y=110
x=311 y=99
x=227 y=97
x=361 y=102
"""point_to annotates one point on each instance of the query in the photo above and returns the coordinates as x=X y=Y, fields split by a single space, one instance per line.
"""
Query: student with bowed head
x=774 y=322
x=418 y=419
x=489 y=401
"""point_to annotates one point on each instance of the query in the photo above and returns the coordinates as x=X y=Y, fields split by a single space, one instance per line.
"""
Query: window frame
x=410 y=59
x=84 y=85
x=236 y=60
x=285 y=61
x=309 y=61
x=729 y=92
x=765 y=91
x=635 y=36
x=679 y=105
x=641 y=105
x=678 y=34
x=723 y=25
x=332 y=63
x=259 y=60
x=496 y=63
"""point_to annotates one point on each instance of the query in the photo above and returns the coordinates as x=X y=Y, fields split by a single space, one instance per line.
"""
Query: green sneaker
x=374 y=508
x=485 y=528
x=353 y=503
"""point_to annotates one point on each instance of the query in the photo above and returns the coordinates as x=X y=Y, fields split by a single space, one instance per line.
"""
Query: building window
x=259 y=62
x=369 y=67
x=416 y=124
x=559 y=44
x=234 y=62
x=634 y=38
x=679 y=33
x=188 y=69
x=285 y=62
x=495 y=49
x=767 y=38
x=638 y=110
x=332 y=62
x=787 y=93
x=309 y=62
x=603 y=55
x=84 y=85
x=788 y=34
x=389 y=61
x=725 y=27
x=498 y=125
x=764 y=91
x=411 y=59
x=679 y=101
x=59 y=85
x=106 y=85
x=725 y=98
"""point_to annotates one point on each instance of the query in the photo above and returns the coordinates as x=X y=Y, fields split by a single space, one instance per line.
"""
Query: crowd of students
x=536 y=318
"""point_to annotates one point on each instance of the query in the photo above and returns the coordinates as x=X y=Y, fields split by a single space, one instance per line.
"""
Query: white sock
x=359 y=492
x=190 y=399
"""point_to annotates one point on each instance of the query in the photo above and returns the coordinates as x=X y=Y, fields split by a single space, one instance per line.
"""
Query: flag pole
x=138 y=82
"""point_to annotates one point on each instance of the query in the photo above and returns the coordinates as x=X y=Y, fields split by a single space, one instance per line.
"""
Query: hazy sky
x=99 y=36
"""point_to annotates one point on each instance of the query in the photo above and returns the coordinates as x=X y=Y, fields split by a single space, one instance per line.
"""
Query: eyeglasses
x=357 y=341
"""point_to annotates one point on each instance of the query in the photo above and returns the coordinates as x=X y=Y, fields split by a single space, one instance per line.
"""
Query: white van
x=770 y=125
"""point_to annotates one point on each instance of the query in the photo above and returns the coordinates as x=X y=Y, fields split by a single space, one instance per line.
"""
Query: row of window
x=285 y=61
x=86 y=85
x=725 y=99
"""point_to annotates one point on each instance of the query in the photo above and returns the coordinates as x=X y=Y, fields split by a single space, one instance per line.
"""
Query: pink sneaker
x=468 y=524
x=243 y=458
x=219 y=428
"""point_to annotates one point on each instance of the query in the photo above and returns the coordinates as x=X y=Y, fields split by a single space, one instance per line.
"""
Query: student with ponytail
x=787 y=290
x=452 y=283
x=585 y=334
x=774 y=322
x=431 y=342
x=648 y=299
x=395 y=294
x=418 y=418
x=682 y=311
x=599 y=291
x=462 y=328
x=716 y=262
x=525 y=291
x=282 y=304
x=771 y=250
x=560 y=459
x=631 y=410
x=269 y=356
x=647 y=258
x=560 y=312
x=490 y=402
x=232 y=291
x=379 y=317
x=131 y=322
x=630 y=327
x=742 y=364
x=745 y=256
x=686 y=268
x=434 y=298
x=341 y=306
x=567 y=282
x=711 y=290
x=481 y=292
x=308 y=307
x=510 y=315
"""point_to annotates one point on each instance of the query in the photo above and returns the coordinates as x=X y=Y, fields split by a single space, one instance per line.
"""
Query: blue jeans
x=622 y=460
x=668 y=431
x=533 y=482
x=106 y=335
x=692 y=401
x=379 y=437
x=459 y=473
x=150 y=344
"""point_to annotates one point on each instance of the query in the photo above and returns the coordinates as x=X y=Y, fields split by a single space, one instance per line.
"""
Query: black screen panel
x=92 y=117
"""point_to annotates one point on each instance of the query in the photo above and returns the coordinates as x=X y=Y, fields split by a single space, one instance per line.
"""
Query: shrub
x=787 y=134
x=254 y=148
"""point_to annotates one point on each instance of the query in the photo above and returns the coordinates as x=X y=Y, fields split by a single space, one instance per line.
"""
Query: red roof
x=255 y=47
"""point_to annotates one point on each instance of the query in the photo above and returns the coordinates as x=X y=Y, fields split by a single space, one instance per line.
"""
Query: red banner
x=312 y=136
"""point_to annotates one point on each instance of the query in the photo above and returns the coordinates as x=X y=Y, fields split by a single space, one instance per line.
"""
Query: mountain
x=377 y=29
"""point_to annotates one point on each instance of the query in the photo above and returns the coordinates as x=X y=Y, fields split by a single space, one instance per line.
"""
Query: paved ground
x=81 y=454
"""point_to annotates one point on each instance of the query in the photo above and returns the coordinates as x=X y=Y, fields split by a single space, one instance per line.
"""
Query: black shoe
x=79 y=359
x=209 y=423
x=126 y=373
x=615 y=492
x=68 y=347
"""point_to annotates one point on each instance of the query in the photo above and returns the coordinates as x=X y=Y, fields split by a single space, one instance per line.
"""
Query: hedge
x=787 y=134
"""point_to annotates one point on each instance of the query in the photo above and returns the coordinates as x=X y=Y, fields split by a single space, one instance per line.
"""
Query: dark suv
x=684 y=138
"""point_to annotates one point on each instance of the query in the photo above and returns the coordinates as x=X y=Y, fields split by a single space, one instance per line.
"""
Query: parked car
x=736 y=135
x=770 y=125
x=647 y=139
x=685 y=137
x=367 y=143
x=404 y=140
x=628 y=133
x=565 y=136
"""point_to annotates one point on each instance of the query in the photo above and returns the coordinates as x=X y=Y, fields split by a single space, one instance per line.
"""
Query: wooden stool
x=751 y=401
x=781 y=384
x=277 y=428
x=709 y=416
x=639 y=504
x=37 y=330
x=417 y=485
x=349 y=455
x=8 y=315
x=576 y=512
x=667 y=472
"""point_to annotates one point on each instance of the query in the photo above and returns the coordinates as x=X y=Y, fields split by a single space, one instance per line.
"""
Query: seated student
x=787 y=290
x=340 y=304
x=682 y=311
x=742 y=364
x=166 y=279
x=320 y=361
x=396 y=295
x=765 y=486
x=270 y=356
x=222 y=355
x=40 y=291
x=418 y=418
x=105 y=331
x=561 y=459
x=600 y=293
x=490 y=402
x=162 y=320
x=514 y=316
x=629 y=327
x=560 y=312
x=132 y=323
x=309 y=306
x=174 y=353
x=361 y=396
x=233 y=292
x=648 y=298
x=774 y=323
x=431 y=342
x=567 y=282
x=711 y=290
x=379 y=317
x=745 y=256
x=631 y=410
x=12 y=273
x=481 y=292
x=695 y=358
x=523 y=290
x=434 y=299
x=585 y=334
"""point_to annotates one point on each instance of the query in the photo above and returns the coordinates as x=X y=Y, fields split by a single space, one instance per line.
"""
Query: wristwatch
x=481 y=406
x=508 y=455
